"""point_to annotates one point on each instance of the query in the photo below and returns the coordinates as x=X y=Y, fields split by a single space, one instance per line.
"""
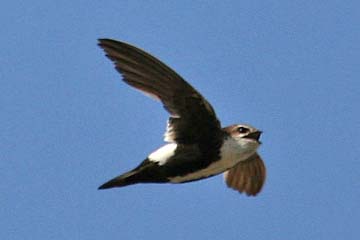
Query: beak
x=254 y=135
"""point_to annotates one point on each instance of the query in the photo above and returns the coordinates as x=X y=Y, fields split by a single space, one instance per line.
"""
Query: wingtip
x=101 y=41
x=106 y=42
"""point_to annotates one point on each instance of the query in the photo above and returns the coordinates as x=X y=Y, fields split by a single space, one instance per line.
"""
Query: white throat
x=238 y=149
x=232 y=152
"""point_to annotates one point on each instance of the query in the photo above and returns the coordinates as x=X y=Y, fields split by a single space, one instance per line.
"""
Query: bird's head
x=245 y=135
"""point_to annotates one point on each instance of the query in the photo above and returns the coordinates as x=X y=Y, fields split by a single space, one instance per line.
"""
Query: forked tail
x=121 y=181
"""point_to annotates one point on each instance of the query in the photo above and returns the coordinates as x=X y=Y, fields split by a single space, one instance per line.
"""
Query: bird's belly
x=211 y=170
x=231 y=154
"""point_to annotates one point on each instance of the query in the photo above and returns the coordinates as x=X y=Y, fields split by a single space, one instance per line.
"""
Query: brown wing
x=247 y=176
x=192 y=117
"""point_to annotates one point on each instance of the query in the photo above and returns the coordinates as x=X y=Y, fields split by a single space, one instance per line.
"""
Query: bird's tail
x=122 y=180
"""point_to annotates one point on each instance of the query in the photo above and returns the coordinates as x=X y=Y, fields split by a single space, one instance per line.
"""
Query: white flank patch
x=163 y=154
x=231 y=153
x=169 y=134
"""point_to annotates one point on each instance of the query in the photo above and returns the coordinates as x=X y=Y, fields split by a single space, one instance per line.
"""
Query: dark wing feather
x=247 y=176
x=192 y=117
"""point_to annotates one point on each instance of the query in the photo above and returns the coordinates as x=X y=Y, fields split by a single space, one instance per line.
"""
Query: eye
x=242 y=130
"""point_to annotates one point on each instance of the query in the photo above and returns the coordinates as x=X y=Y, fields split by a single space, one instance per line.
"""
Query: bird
x=197 y=147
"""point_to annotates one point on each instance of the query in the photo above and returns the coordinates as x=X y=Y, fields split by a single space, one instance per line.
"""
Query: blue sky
x=68 y=123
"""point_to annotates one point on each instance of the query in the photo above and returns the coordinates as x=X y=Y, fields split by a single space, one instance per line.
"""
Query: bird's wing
x=192 y=118
x=247 y=176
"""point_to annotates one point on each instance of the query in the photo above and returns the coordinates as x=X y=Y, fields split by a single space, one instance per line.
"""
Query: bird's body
x=197 y=146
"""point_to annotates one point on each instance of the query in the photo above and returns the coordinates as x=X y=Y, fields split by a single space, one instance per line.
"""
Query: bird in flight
x=197 y=146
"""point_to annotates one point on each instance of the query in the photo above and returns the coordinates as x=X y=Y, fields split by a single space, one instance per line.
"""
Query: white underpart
x=163 y=154
x=169 y=134
x=232 y=152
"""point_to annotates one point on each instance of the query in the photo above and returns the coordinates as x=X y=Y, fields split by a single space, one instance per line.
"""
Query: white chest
x=231 y=153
